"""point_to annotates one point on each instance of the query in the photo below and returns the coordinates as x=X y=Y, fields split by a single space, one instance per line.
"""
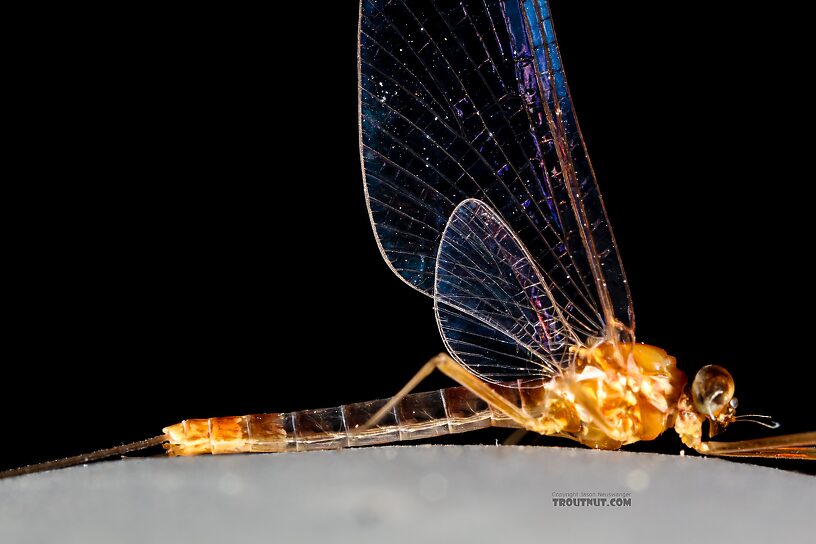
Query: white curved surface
x=410 y=494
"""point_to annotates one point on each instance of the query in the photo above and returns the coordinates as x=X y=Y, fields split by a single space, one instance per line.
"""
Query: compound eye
x=712 y=390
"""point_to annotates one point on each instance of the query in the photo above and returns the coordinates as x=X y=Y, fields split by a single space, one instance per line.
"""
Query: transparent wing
x=494 y=309
x=467 y=99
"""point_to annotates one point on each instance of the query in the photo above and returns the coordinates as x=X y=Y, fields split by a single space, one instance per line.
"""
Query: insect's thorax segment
x=613 y=395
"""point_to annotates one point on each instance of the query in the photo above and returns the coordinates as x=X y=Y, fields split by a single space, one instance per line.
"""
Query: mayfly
x=481 y=195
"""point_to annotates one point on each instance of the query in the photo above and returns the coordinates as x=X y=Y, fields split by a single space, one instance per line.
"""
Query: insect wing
x=493 y=307
x=467 y=99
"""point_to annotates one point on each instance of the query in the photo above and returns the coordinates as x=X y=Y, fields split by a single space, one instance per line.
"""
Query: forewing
x=467 y=99
x=494 y=308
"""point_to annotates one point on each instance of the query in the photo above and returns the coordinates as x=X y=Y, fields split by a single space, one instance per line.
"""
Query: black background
x=187 y=233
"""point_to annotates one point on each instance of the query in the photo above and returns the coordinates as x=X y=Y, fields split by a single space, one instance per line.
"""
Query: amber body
x=622 y=393
x=611 y=395
x=421 y=415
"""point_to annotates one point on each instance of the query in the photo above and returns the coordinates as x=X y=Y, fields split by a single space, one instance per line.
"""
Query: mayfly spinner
x=482 y=196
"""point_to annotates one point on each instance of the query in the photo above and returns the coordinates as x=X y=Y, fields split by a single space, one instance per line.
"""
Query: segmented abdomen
x=421 y=415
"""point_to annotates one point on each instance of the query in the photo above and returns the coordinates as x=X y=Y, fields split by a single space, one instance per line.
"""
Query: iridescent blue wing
x=467 y=99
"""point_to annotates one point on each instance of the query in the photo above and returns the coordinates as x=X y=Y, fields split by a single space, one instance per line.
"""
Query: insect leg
x=423 y=373
x=791 y=446
x=445 y=364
